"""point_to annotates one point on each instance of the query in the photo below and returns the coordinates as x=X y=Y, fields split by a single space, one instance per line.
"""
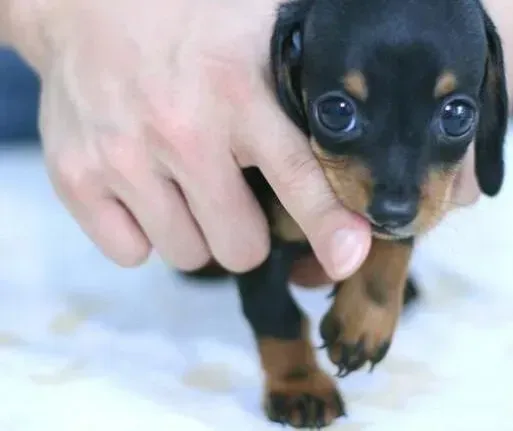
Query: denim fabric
x=19 y=98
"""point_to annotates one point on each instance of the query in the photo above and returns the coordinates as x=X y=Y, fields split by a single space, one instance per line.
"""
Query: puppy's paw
x=312 y=401
x=350 y=348
x=357 y=329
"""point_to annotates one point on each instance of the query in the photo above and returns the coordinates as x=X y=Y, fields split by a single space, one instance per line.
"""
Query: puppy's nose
x=393 y=213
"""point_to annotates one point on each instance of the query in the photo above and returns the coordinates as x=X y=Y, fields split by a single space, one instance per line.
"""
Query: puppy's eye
x=337 y=114
x=457 y=117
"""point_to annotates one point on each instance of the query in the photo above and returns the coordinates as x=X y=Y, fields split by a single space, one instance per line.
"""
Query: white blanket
x=86 y=345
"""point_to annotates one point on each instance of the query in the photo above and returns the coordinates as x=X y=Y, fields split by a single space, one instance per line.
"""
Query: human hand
x=147 y=115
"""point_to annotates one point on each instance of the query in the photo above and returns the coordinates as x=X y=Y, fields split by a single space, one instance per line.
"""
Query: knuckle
x=71 y=175
x=181 y=129
x=230 y=76
x=304 y=179
x=183 y=137
x=299 y=169
x=120 y=158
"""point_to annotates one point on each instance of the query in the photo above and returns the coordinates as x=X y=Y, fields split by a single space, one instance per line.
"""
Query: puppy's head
x=392 y=95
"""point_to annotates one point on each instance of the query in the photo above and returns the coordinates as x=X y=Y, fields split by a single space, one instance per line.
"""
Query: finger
x=116 y=232
x=156 y=203
x=77 y=180
x=229 y=216
x=197 y=153
x=101 y=217
x=308 y=272
x=340 y=239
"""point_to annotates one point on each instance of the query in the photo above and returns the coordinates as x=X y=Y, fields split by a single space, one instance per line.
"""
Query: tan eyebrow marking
x=445 y=84
x=355 y=84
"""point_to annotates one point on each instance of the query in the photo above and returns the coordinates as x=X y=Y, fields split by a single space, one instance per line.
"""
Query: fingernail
x=347 y=251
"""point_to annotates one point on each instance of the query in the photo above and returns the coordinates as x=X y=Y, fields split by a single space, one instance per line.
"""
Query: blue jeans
x=19 y=98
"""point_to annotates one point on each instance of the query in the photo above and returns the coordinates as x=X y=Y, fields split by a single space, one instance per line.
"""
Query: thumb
x=340 y=239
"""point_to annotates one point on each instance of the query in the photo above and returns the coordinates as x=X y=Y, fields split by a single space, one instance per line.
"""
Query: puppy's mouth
x=391 y=233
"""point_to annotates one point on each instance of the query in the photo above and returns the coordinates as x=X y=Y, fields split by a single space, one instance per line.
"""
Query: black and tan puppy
x=391 y=94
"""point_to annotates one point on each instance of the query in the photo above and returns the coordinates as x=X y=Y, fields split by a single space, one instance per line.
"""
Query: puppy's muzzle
x=393 y=213
x=392 y=210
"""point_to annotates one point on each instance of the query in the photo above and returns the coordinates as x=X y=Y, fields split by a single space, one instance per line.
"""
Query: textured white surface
x=86 y=345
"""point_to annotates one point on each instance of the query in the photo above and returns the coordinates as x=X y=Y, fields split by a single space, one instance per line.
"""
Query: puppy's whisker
x=444 y=202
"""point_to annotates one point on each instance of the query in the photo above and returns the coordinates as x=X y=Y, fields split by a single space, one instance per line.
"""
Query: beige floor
x=86 y=345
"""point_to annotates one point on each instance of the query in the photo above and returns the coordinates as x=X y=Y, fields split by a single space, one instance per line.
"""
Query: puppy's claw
x=342 y=372
x=347 y=356
x=380 y=354
x=352 y=357
x=306 y=410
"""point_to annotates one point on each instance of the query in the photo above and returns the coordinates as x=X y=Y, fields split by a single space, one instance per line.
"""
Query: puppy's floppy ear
x=490 y=136
x=286 y=59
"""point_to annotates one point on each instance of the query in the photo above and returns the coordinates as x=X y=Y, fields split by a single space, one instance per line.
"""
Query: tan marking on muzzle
x=436 y=199
x=352 y=183
x=349 y=178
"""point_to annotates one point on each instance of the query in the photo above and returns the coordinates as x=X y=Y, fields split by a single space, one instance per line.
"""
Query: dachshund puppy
x=391 y=94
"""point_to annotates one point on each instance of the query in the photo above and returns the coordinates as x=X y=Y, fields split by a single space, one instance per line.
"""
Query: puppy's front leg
x=298 y=392
x=361 y=322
